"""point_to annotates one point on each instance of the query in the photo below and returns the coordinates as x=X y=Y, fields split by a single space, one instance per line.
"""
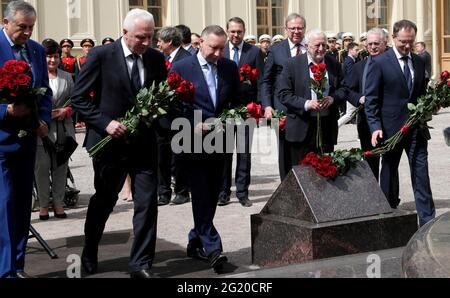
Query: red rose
x=445 y=76
x=251 y=108
x=404 y=130
x=23 y=80
x=186 y=91
x=368 y=154
x=168 y=65
x=322 y=67
x=332 y=172
x=318 y=77
x=241 y=78
x=448 y=83
x=314 y=69
x=255 y=74
x=174 y=80
x=282 y=125
x=246 y=68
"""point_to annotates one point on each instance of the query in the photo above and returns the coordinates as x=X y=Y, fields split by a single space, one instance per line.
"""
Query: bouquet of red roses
x=248 y=74
x=152 y=103
x=318 y=85
x=239 y=115
x=16 y=88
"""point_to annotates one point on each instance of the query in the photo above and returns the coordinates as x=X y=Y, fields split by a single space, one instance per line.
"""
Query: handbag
x=65 y=149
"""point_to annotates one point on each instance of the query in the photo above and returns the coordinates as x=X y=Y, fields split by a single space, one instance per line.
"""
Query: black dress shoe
x=89 y=264
x=144 y=273
x=61 y=216
x=223 y=200
x=23 y=274
x=163 y=200
x=44 y=217
x=181 y=199
x=246 y=202
x=196 y=252
x=217 y=260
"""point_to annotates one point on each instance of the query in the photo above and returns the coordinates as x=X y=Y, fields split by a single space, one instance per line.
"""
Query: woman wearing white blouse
x=51 y=178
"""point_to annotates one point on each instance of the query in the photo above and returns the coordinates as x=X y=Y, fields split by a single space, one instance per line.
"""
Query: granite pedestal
x=310 y=218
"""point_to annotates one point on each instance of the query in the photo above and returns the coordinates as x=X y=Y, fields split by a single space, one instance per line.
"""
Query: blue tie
x=236 y=55
x=19 y=53
x=407 y=73
x=211 y=81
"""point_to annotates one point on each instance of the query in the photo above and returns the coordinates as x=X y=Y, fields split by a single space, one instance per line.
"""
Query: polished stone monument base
x=279 y=241
x=310 y=217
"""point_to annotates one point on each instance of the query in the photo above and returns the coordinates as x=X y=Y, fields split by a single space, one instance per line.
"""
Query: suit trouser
x=46 y=167
x=164 y=138
x=365 y=138
x=243 y=164
x=416 y=148
x=111 y=167
x=16 y=186
x=284 y=156
x=205 y=175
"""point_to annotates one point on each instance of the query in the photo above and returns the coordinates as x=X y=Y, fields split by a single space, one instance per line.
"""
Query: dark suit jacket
x=9 y=140
x=387 y=94
x=252 y=56
x=295 y=89
x=181 y=54
x=348 y=68
x=278 y=55
x=428 y=63
x=227 y=89
x=106 y=73
x=193 y=51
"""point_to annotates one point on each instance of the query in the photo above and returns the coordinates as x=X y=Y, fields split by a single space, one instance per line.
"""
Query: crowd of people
x=95 y=89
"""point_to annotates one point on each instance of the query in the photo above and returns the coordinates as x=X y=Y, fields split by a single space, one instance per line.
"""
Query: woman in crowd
x=50 y=177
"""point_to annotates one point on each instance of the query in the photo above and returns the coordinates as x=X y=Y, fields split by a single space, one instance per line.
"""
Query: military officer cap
x=265 y=37
x=332 y=36
x=250 y=38
x=348 y=35
x=87 y=40
x=363 y=36
x=107 y=39
x=277 y=37
x=66 y=41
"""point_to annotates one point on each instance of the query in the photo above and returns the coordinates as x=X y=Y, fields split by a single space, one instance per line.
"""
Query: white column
x=420 y=19
x=436 y=49
x=36 y=33
x=251 y=17
x=337 y=4
x=172 y=13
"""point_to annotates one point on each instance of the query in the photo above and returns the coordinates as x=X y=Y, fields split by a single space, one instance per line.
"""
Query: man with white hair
x=116 y=73
x=302 y=103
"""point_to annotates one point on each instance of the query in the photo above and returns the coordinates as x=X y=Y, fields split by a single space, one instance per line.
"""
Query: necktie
x=407 y=73
x=299 y=51
x=211 y=81
x=19 y=53
x=135 y=77
x=236 y=55
x=364 y=78
x=168 y=58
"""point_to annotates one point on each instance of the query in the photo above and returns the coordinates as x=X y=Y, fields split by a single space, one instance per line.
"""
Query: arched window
x=379 y=14
x=155 y=7
x=270 y=16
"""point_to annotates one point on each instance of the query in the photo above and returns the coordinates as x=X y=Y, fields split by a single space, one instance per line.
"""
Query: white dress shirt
x=129 y=60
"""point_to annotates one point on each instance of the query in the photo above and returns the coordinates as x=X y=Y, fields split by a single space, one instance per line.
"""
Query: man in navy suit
x=170 y=44
x=241 y=53
x=216 y=80
x=116 y=72
x=302 y=102
x=278 y=55
x=17 y=154
x=395 y=79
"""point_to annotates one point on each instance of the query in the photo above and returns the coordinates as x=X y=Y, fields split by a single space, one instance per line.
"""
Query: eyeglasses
x=294 y=29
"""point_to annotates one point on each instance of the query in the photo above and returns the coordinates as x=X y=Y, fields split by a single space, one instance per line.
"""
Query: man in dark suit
x=187 y=39
x=170 y=44
x=421 y=51
x=241 y=53
x=302 y=102
x=17 y=154
x=395 y=79
x=278 y=55
x=376 y=45
x=216 y=80
x=116 y=72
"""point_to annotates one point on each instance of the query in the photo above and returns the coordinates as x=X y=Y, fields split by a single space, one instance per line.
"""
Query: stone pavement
x=232 y=221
